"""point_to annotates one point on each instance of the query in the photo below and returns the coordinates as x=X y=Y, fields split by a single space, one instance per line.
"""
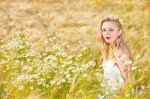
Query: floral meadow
x=49 y=50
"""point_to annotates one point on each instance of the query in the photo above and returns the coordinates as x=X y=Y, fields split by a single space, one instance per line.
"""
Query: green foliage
x=48 y=48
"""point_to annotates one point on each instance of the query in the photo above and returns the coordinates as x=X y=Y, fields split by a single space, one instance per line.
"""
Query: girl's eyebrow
x=110 y=28
x=103 y=29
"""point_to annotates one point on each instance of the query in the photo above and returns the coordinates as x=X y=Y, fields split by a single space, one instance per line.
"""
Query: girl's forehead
x=109 y=24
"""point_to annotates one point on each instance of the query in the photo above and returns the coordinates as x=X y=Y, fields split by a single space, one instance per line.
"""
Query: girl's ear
x=120 y=31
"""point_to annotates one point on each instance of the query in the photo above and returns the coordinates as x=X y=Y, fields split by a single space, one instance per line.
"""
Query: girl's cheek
x=114 y=33
x=103 y=33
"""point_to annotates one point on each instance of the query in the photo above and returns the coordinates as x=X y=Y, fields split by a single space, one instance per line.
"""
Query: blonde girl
x=116 y=56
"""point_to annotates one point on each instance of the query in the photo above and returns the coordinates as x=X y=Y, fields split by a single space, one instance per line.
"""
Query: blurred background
x=74 y=22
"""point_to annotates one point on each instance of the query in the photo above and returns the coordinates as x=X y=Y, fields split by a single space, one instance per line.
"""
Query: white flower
x=36 y=76
x=58 y=83
x=52 y=82
x=100 y=96
x=31 y=88
x=84 y=75
x=20 y=87
x=114 y=18
x=84 y=48
x=68 y=75
x=51 y=57
x=92 y=63
x=133 y=92
x=22 y=77
x=66 y=72
x=28 y=68
x=69 y=62
x=80 y=55
x=31 y=80
x=39 y=83
x=127 y=95
x=69 y=80
x=69 y=68
x=61 y=54
x=63 y=80
x=31 y=53
x=75 y=71
x=47 y=86
x=56 y=47
x=15 y=43
x=70 y=57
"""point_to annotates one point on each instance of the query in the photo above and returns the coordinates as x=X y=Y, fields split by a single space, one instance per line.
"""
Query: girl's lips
x=107 y=37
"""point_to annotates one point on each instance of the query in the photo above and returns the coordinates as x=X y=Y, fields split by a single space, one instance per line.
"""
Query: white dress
x=112 y=76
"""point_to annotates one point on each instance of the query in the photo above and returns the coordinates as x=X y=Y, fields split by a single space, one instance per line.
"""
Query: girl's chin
x=108 y=41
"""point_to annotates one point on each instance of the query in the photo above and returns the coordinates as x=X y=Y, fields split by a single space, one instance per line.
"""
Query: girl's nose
x=107 y=32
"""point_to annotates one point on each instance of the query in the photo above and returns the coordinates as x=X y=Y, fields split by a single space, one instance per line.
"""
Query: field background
x=48 y=48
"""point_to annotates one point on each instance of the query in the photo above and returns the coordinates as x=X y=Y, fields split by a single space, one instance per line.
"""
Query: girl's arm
x=124 y=61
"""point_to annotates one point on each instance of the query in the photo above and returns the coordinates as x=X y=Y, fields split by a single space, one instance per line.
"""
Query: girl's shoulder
x=124 y=49
x=124 y=53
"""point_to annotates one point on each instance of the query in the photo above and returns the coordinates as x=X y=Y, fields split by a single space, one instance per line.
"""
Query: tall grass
x=49 y=49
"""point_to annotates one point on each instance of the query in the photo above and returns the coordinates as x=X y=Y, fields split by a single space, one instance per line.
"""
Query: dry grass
x=74 y=23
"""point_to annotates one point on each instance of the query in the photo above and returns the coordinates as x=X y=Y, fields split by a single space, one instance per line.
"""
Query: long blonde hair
x=105 y=47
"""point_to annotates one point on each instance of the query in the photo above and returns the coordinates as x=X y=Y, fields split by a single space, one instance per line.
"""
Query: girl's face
x=110 y=31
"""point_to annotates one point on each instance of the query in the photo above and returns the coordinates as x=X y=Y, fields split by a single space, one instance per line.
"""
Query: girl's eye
x=111 y=30
x=103 y=30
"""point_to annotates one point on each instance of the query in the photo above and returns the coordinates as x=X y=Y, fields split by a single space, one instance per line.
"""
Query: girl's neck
x=113 y=50
x=113 y=45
